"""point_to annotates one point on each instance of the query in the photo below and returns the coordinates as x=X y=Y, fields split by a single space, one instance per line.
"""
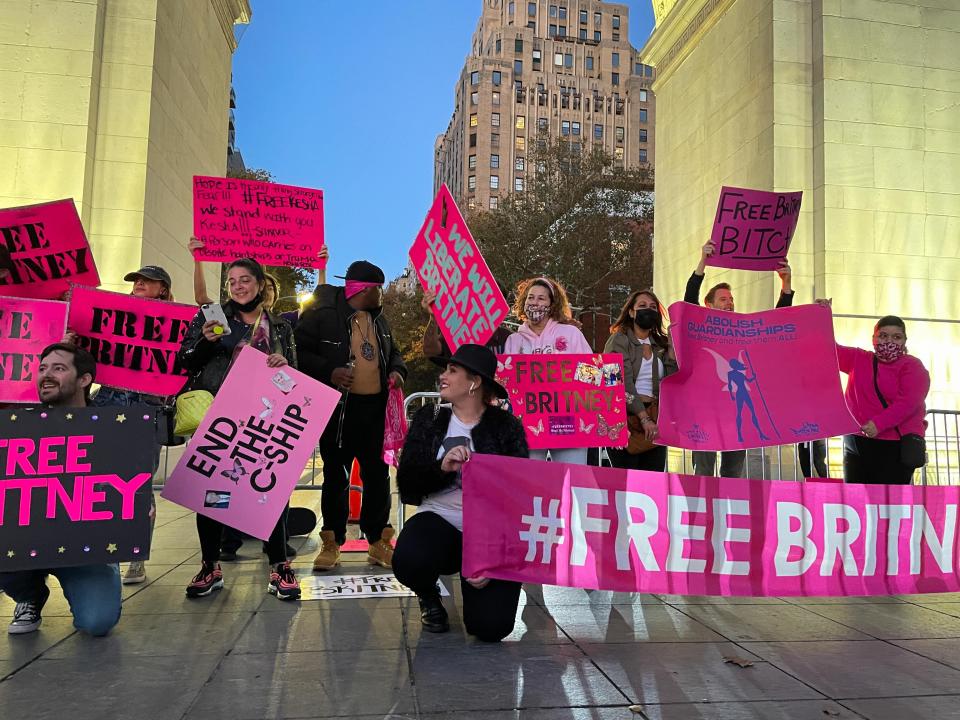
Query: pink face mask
x=889 y=351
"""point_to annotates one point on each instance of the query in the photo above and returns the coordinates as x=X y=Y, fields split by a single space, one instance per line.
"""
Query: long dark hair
x=624 y=322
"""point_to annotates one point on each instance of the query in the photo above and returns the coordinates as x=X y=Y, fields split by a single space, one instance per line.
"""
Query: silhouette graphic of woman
x=738 y=377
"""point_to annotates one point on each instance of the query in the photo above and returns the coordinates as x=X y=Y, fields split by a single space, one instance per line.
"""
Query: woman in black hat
x=440 y=441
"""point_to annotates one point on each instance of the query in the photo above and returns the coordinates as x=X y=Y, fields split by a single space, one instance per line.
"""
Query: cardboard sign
x=75 y=486
x=753 y=228
x=652 y=532
x=49 y=250
x=272 y=223
x=567 y=401
x=134 y=340
x=469 y=305
x=26 y=328
x=355 y=587
x=243 y=462
x=752 y=380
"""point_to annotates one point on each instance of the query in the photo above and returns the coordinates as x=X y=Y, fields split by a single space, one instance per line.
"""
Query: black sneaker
x=209 y=578
x=26 y=615
x=433 y=616
x=283 y=583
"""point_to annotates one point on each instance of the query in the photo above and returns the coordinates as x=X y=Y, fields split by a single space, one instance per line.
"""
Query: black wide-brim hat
x=480 y=361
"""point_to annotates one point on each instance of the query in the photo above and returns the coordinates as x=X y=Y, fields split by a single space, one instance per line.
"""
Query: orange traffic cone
x=356 y=492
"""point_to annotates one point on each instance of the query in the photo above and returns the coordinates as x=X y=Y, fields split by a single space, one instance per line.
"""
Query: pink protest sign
x=567 y=401
x=272 y=223
x=469 y=305
x=752 y=380
x=753 y=228
x=49 y=250
x=638 y=531
x=245 y=459
x=134 y=340
x=26 y=328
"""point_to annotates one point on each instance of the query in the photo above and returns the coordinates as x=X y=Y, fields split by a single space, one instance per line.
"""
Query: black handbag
x=913 y=447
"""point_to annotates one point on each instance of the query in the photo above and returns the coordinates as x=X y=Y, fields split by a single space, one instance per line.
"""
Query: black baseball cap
x=150 y=272
x=363 y=271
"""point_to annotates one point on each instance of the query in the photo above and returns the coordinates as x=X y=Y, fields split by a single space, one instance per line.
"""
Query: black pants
x=429 y=547
x=210 y=532
x=731 y=463
x=819 y=458
x=361 y=438
x=868 y=460
x=653 y=459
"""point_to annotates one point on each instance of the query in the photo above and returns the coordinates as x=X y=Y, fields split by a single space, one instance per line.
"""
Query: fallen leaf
x=831 y=713
x=738 y=661
x=636 y=709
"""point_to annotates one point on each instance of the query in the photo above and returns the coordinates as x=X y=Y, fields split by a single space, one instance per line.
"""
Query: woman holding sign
x=208 y=352
x=441 y=439
x=639 y=336
x=548 y=327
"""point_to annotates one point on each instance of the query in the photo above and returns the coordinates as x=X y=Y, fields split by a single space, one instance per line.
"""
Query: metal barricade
x=943 y=448
x=421 y=398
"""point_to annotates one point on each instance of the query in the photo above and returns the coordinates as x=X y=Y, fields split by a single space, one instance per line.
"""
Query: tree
x=408 y=322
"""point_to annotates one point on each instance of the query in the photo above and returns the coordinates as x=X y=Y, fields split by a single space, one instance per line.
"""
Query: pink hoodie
x=904 y=384
x=555 y=338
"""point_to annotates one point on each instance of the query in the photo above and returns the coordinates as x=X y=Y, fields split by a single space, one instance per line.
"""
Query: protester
x=345 y=342
x=207 y=353
x=817 y=451
x=441 y=439
x=720 y=297
x=548 y=327
x=64 y=377
x=638 y=334
x=435 y=345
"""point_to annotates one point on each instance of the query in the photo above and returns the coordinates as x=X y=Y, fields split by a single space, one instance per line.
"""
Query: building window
x=543 y=123
x=473 y=139
x=495 y=98
x=495 y=119
x=558 y=59
x=518 y=67
x=618 y=154
x=519 y=164
x=552 y=32
x=510 y=8
x=643 y=96
x=615 y=60
x=474 y=98
x=576 y=128
x=472 y=183
x=496 y=77
x=532 y=25
x=568 y=60
x=643 y=135
x=532 y=9
x=518 y=184
x=596 y=36
x=472 y=162
x=498 y=46
x=647 y=71
x=494 y=182
x=620 y=134
x=537 y=57
x=553 y=11
x=495 y=140
x=521 y=122
x=643 y=155
x=643 y=115
x=563 y=13
x=616 y=36
x=583 y=16
x=597 y=19
x=583 y=33
x=588 y=62
x=638 y=69
x=494 y=161
x=518 y=45
x=473 y=119
x=521 y=143
x=494 y=203
x=562 y=31
x=474 y=78
x=615 y=78
x=565 y=127
x=598 y=132
x=616 y=22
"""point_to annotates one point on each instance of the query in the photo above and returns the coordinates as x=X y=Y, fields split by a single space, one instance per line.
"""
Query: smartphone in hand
x=213 y=311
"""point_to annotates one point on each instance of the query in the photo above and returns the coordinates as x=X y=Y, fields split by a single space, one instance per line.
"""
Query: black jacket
x=323 y=337
x=208 y=362
x=694 y=283
x=419 y=474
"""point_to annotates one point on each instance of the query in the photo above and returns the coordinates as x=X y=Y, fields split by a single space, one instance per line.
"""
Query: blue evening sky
x=349 y=97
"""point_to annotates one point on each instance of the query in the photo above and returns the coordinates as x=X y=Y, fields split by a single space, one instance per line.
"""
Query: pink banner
x=49 y=250
x=752 y=380
x=134 y=340
x=26 y=328
x=245 y=459
x=469 y=304
x=637 y=531
x=272 y=223
x=567 y=401
x=753 y=228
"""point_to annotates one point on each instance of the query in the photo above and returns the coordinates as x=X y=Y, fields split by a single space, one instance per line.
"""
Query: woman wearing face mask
x=886 y=392
x=548 y=327
x=639 y=336
x=207 y=353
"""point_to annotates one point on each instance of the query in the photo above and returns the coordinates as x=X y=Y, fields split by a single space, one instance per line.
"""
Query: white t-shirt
x=645 y=372
x=448 y=503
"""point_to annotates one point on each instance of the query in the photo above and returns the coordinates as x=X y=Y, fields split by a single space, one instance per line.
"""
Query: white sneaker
x=26 y=618
x=136 y=573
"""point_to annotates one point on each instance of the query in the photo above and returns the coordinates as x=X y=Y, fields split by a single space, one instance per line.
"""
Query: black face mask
x=250 y=306
x=646 y=319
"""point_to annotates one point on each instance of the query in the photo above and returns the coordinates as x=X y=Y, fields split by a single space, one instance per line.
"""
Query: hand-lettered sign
x=48 y=248
x=753 y=228
x=752 y=380
x=243 y=462
x=654 y=532
x=26 y=328
x=272 y=223
x=75 y=486
x=469 y=305
x=356 y=587
x=567 y=401
x=134 y=340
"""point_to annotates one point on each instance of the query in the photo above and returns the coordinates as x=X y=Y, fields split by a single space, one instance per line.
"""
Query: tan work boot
x=329 y=556
x=381 y=552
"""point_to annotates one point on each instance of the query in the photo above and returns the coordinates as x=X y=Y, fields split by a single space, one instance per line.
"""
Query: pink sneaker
x=283 y=583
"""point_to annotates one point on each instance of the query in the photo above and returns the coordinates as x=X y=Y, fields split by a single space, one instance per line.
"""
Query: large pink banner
x=637 y=531
x=567 y=400
x=469 y=305
x=134 y=340
x=752 y=380
x=49 y=250
x=26 y=328
x=753 y=228
x=272 y=223
x=243 y=462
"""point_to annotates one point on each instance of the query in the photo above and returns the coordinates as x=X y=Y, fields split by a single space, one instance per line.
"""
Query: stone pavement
x=574 y=654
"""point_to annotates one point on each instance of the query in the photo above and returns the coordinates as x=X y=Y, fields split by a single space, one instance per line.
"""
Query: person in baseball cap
x=151 y=281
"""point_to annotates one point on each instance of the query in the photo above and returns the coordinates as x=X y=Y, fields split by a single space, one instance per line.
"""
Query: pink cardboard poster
x=272 y=223
x=652 y=532
x=752 y=380
x=753 y=228
x=49 y=250
x=134 y=340
x=567 y=400
x=245 y=459
x=469 y=305
x=26 y=328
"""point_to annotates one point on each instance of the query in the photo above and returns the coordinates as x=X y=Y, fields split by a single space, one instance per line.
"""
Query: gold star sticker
x=121 y=417
x=69 y=416
x=13 y=418
x=61 y=549
x=10 y=553
x=112 y=547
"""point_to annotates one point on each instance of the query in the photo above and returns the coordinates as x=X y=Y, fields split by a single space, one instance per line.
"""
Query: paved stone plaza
x=575 y=654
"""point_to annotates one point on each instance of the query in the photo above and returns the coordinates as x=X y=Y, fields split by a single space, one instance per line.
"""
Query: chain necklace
x=366 y=347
